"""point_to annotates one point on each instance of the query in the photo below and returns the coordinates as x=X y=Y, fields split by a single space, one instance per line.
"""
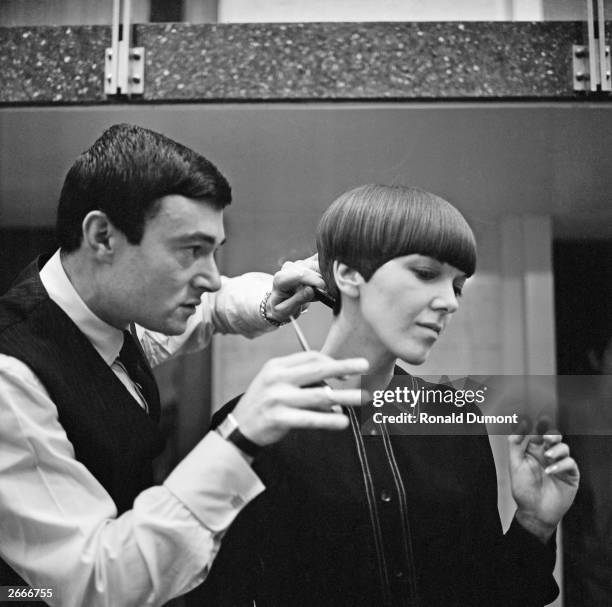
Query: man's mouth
x=190 y=305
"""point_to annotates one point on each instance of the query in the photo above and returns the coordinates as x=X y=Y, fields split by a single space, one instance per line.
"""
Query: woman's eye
x=458 y=290
x=425 y=274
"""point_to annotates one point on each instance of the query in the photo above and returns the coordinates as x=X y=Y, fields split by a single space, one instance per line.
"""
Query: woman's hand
x=544 y=481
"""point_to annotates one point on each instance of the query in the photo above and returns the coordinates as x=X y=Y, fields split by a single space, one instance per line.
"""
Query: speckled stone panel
x=52 y=64
x=308 y=61
x=359 y=61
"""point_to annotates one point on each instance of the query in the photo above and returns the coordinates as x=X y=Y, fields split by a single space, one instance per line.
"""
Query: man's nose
x=207 y=277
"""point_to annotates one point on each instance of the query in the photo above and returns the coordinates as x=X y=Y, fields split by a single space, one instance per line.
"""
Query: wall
x=286 y=163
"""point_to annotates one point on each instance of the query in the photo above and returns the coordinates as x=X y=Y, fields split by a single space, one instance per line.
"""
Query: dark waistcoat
x=111 y=434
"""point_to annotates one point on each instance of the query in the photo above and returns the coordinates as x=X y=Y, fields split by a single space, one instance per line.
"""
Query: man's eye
x=458 y=290
x=195 y=251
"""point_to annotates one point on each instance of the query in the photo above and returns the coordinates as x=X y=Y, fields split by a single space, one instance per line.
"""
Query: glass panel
x=96 y=12
x=66 y=12
x=570 y=10
x=368 y=10
x=237 y=11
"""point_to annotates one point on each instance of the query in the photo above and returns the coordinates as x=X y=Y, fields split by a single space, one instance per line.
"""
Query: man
x=140 y=219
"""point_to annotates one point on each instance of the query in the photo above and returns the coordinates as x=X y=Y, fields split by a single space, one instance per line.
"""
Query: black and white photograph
x=306 y=303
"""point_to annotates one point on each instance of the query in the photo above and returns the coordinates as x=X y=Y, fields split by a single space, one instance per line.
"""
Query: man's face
x=159 y=282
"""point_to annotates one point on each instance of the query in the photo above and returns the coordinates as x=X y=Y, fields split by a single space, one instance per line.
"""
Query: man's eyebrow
x=200 y=236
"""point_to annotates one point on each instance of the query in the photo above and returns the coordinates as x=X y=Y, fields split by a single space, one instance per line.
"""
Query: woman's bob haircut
x=368 y=226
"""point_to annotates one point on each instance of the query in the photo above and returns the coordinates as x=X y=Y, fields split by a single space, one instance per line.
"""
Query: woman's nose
x=446 y=299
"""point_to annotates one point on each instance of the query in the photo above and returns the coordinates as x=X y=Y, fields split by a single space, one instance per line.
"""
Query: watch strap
x=230 y=431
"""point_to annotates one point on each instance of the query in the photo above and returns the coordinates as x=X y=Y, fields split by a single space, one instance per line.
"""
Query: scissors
x=324 y=297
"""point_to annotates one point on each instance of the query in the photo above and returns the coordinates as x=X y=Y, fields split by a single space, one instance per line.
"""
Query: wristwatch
x=229 y=430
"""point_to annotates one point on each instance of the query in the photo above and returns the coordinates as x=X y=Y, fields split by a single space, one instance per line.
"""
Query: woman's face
x=407 y=303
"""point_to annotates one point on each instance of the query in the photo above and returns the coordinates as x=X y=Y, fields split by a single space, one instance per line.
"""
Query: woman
x=368 y=520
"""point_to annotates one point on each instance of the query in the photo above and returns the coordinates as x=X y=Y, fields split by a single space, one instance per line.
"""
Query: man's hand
x=544 y=480
x=291 y=288
x=276 y=402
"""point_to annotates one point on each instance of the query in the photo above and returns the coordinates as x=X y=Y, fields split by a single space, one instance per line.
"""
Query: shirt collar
x=105 y=338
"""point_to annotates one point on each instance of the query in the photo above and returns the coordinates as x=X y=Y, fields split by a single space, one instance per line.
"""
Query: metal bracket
x=591 y=64
x=123 y=65
x=581 y=69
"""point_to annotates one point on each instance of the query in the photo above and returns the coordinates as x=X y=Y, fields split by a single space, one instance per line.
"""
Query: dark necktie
x=133 y=359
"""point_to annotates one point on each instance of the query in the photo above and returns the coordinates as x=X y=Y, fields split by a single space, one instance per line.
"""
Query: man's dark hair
x=125 y=173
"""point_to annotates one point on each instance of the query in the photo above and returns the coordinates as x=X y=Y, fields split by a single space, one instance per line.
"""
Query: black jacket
x=111 y=434
x=404 y=520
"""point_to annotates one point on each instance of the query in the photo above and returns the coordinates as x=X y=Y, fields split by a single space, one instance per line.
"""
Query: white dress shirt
x=59 y=527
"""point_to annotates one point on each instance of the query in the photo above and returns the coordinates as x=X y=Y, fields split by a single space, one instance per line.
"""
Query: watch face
x=226 y=427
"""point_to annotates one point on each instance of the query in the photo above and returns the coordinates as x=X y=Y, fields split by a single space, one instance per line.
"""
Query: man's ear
x=348 y=280
x=100 y=236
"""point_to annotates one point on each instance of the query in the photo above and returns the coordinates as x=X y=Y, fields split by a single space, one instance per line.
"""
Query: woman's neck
x=348 y=339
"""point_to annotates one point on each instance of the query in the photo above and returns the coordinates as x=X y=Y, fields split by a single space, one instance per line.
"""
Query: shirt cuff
x=215 y=482
x=240 y=298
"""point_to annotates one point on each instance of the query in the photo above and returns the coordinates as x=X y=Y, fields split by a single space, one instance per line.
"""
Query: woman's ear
x=100 y=236
x=348 y=280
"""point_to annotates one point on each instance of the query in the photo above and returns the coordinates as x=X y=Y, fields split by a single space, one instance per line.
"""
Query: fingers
x=517 y=444
x=566 y=467
x=521 y=444
x=311 y=263
x=549 y=450
x=557 y=452
x=295 y=274
x=324 y=398
x=544 y=425
x=318 y=369
x=516 y=439
x=543 y=432
x=553 y=437
x=521 y=430
x=292 y=288
x=276 y=402
x=305 y=419
x=301 y=297
x=560 y=463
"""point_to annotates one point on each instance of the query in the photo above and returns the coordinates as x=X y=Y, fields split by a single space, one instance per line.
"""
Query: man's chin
x=176 y=324
x=175 y=328
x=171 y=326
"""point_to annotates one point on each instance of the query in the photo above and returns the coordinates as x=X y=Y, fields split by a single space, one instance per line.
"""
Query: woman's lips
x=436 y=328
